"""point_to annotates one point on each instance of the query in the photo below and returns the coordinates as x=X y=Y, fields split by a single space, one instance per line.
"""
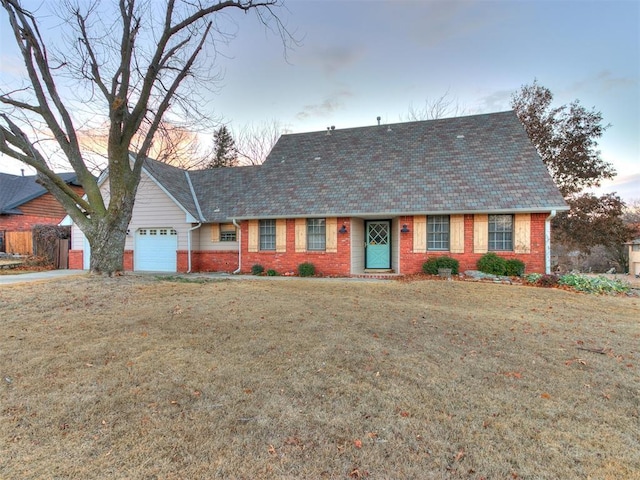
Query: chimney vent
x=22 y=170
x=378 y=118
x=328 y=130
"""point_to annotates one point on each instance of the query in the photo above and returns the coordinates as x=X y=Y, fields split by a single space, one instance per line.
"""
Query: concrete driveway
x=38 y=276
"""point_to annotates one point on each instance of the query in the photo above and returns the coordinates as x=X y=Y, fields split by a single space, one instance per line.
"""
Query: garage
x=155 y=249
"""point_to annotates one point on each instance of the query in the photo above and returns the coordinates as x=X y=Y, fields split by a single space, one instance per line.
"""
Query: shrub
x=306 y=269
x=271 y=272
x=492 y=263
x=548 y=280
x=514 y=267
x=257 y=269
x=432 y=265
x=532 y=278
x=585 y=284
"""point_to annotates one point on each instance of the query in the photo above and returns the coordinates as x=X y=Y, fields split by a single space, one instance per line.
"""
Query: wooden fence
x=19 y=242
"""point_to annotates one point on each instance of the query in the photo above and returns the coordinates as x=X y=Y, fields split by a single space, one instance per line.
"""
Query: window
x=635 y=247
x=438 y=232
x=227 y=232
x=316 y=234
x=501 y=232
x=267 y=234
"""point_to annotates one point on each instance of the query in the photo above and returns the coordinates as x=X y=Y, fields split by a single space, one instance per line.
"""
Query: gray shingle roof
x=480 y=163
x=16 y=190
x=175 y=182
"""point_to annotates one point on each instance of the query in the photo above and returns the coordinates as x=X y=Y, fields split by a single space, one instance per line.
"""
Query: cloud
x=332 y=103
x=497 y=101
x=438 y=23
x=604 y=81
x=334 y=59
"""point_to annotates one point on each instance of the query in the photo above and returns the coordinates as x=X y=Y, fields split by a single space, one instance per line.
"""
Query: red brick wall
x=76 y=260
x=328 y=264
x=24 y=223
x=208 y=261
x=534 y=262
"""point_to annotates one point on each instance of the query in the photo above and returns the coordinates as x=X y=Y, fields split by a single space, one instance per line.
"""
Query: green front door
x=378 y=244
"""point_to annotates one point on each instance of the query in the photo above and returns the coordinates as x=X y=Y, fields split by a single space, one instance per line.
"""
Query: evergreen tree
x=225 y=153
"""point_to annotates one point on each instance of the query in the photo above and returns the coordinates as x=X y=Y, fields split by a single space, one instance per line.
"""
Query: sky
x=356 y=60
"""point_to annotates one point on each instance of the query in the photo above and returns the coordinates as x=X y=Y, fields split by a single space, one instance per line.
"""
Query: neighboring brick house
x=23 y=204
x=383 y=198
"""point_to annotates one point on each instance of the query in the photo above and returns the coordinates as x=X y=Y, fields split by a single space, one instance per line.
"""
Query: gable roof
x=474 y=164
x=16 y=190
x=480 y=163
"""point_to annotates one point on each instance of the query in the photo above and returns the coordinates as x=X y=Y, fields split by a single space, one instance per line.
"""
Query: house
x=634 y=257
x=382 y=198
x=25 y=203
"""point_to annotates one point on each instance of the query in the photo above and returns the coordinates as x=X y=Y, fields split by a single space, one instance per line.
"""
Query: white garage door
x=155 y=249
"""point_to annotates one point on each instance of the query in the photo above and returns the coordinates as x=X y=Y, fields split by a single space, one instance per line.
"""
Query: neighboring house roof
x=474 y=164
x=16 y=190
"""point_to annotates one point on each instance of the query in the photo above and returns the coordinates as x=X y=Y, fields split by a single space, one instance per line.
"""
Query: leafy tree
x=131 y=69
x=225 y=153
x=566 y=138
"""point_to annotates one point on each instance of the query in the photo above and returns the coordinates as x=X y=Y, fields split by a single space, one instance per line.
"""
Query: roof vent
x=389 y=128
x=333 y=127
x=378 y=118
x=460 y=136
x=328 y=130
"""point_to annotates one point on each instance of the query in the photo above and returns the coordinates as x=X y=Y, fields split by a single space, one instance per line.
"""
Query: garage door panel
x=155 y=249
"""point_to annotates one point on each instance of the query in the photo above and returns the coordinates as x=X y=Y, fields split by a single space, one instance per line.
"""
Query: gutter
x=235 y=272
x=547 y=242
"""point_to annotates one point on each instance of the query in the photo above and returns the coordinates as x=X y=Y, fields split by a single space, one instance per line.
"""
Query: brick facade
x=327 y=264
x=339 y=263
x=534 y=261
x=208 y=261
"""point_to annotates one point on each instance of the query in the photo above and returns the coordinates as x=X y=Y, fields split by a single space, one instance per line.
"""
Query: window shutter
x=456 y=229
x=301 y=234
x=420 y=234
x=253 y=236
x=281 y=235
x=215 y=232
x=331 y=240
x=480 y=233
x=522 y=233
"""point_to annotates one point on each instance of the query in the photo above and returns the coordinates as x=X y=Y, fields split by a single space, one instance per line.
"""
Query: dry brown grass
x=141 y=379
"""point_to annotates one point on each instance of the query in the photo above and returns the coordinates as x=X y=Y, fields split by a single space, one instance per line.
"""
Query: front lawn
x=140 y=378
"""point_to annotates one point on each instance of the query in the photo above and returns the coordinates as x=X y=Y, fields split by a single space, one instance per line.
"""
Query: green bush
x=271 y=272
x=532 y=278
x=257 y=269
x=306 y=269
x=585 y=284
x=514 y=267
x=432 y=265
x=493 y=264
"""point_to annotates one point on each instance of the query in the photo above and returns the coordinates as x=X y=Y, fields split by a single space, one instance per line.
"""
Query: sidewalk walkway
x=38 y=276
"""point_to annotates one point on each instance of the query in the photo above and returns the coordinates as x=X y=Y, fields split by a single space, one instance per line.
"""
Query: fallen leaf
x=272 y=450
x=404 y=414
x=545 y=395
x=357 y=443
x=459 y=456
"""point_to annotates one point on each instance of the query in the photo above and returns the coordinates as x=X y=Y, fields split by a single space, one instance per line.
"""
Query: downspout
x=239 y=246
x=200 y=218
x=189 y=244
x=547 y=242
